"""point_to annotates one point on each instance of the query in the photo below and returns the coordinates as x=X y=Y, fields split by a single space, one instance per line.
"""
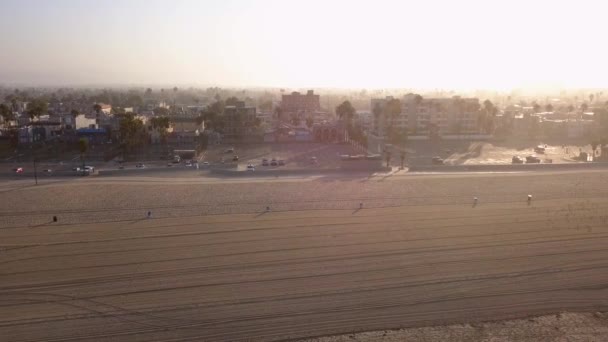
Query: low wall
x=293 y=172
x=135 y=171
x=507 y=167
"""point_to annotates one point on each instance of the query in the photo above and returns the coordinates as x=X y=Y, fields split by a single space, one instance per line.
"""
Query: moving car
x=47 y=171
x=206 y=163
x=229 y=150
x=437 y=161
x=517 y=160
x=313 y=160
x=140 y=166
x=250 y=167
x=532 y=159
x=18 y=170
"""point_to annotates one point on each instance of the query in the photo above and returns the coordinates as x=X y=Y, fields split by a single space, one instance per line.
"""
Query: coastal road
x=417 y=253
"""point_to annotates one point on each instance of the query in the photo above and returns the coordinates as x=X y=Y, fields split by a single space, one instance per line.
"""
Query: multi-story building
x=239 y=120
x=433 y=116
x=296 y=102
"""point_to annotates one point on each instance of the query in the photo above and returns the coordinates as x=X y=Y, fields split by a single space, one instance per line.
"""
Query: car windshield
x=319 y=171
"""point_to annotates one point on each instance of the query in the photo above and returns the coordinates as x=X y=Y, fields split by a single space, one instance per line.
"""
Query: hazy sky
x=325 y=43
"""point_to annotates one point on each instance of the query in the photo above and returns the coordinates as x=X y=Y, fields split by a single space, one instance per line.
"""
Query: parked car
x=264 y=162
x=140 y=166
x=235 y=158
x=539 y=149
x=532 y=159
x=229 y=150
x=437 y=161
x=517 y=160
x=169 y=164
x=206 y=163
x=250 y=167
x=281 y=162
x=18 y=170
x=47 y=171
x=274 y=163
x=313 y=160
x=121 y=167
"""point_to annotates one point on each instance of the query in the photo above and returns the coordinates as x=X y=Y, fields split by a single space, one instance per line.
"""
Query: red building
x=296 y=102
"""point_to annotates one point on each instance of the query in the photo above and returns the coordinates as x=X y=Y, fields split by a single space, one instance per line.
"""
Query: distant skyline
x=465 y=44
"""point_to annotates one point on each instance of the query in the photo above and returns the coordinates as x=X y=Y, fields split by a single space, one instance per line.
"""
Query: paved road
x=418 y=253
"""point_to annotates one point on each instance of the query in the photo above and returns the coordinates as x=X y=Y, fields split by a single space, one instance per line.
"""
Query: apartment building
x=433 y=116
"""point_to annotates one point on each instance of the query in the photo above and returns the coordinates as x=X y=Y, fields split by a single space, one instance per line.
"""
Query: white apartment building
x=433 y=116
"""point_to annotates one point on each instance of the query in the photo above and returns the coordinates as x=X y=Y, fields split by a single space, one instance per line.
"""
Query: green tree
x=486 y=117
x=392 y=110
x=594 y=146
x=97 y=108
x=37 y=107
x=132 y=132
x=162 y=124
x=536 y=107
x=309 y=122
x=217 y=107
x=549 y=107
x=232 y=101
x=161 y=111
x=295 y=120
x=346 y=111
x=584 y=107
x=266 y=105
x=6 y=113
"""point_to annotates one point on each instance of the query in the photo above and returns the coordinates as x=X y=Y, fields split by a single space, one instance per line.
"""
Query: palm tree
x=97 y=109
x=175 y=89
x=346 y=110
x=377 y=112
x=279 y=113
x=594 y=145
x=83 y=146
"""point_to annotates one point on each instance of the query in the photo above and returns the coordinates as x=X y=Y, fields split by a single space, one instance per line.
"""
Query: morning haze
x=431 y=44
x=313 y=171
